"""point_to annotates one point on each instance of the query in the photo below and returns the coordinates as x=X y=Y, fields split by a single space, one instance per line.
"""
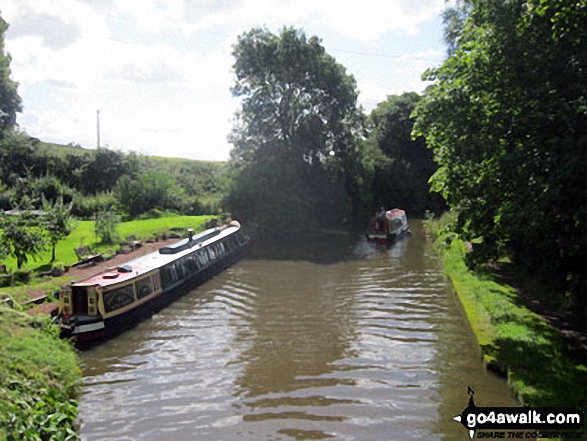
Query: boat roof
x=396 y=212
x=152 y=261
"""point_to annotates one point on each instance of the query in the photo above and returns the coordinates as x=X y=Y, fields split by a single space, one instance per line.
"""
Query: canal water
x=322 y=338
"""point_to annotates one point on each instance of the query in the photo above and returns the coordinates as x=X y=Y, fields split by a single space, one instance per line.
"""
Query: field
x=83 y=234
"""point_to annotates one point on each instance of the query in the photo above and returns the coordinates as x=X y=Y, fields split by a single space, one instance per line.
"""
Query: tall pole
x=98 y=127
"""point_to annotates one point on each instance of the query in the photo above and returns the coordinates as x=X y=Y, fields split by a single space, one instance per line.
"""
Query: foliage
x=507 y=118
x=105 y=227
x=84 y=234
x=147 y=191
x=39 y=377
x=103 y=171
x=15 y=151
x=21 y=236
x=57 y=222
x=33 y=170
x=401 y=175
x=454 y=20
x=298 y=104
x=86 y=207
x=539 y=364
x=10 y=102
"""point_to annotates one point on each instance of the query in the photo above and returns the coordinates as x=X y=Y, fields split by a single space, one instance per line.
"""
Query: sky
x=160 y=71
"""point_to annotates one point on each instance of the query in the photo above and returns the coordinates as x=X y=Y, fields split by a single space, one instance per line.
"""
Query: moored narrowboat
x=387 y=226
x=108 y=303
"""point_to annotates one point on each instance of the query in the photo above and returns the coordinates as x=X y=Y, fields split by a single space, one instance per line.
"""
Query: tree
x=16 y=152
x=507 y=119
x=296 y=131
x=401 y=176
x=21 y=237
x=58 y=222
x=10 y=102
x=105 y=226
x=103 y=171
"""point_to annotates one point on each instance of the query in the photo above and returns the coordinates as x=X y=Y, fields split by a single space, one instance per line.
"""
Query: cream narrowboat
x=108 y=303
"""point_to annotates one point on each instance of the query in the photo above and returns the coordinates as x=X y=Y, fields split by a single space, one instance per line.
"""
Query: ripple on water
x=366 y=348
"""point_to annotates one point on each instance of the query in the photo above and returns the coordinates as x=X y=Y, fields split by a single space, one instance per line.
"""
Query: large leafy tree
x=10 y=102
x=103 y=171
x=402 y=174
x=295 y=155
x=507 y=118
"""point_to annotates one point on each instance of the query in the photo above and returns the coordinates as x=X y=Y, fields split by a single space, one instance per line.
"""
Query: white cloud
x=365 y=20
x=160 y=70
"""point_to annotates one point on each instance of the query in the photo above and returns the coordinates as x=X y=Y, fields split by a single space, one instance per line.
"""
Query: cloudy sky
x=159 y=71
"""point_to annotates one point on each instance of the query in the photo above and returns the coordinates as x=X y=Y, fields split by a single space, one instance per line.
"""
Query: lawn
x=83 y=234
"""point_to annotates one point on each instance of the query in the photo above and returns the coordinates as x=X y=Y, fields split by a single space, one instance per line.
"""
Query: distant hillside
x=93 y=178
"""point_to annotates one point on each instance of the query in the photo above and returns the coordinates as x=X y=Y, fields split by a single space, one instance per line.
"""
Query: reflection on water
x=325 y=338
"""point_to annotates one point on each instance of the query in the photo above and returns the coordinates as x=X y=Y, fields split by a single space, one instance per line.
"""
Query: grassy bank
x=39 y=374
x=83 y=234
x=515 y=341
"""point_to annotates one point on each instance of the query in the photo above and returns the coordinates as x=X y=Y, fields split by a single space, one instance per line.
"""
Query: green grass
x=39 y=377
x=540 y=367
x=21 y=293
x=83 y=234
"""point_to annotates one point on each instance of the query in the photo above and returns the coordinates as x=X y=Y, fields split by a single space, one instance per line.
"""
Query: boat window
x=144 y=287
x=395 y=224
x=117 y=298
x=169 y=275
x=212 y=253
x=157 y=281
x=205 y=256
x=173 y=273
x=180 y=268
x=191 y=262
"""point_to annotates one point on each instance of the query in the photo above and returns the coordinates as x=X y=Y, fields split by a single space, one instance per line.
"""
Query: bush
x=22 y=276
x=58 y=269
x=86 y=207
x=6 y=198
x=38 y=379
x=5 y=280
x=105 y=226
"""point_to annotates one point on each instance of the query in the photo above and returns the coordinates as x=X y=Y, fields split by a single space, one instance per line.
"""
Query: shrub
x=86 y=207
x=105 y=227
x=22 y=276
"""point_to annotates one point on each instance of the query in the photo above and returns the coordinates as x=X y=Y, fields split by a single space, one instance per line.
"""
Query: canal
x=328 y=338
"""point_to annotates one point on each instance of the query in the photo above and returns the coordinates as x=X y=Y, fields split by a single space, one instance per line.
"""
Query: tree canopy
x=10 y=102
x=402 y=171
x=295 y=153
x=507 y=119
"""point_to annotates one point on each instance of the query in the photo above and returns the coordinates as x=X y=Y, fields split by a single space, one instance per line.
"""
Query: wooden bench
x=86 y=257
x=133 y=242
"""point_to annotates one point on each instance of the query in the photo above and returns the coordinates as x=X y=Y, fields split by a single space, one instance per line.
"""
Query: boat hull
x=388 y=238
x=88 y=331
